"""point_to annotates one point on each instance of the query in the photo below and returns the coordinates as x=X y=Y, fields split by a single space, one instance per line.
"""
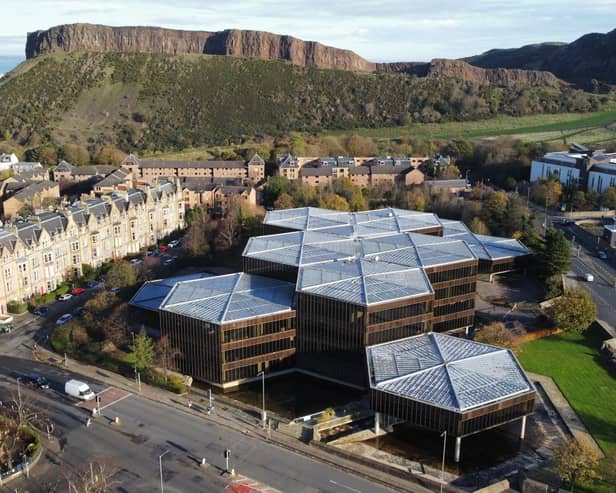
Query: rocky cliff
x=588 y=61
x=97 y=38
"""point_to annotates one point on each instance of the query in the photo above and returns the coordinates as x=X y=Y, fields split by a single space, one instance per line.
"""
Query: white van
x=78 y=389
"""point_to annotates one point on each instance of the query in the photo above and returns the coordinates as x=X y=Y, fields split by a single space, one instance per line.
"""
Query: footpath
x=238 y=419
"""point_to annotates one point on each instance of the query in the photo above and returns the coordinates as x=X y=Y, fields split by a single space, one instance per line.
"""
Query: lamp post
x=262 y=373
x=160 y=467
x=444 y=436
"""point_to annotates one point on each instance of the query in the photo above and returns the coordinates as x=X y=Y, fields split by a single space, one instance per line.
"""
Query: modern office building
x=448 y=384
x=230 y=328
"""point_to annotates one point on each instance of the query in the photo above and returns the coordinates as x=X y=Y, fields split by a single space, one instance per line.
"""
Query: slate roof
x=192 y=164
x=447 y=372
x=152 y=293
x=33 y=189
x=229 y=298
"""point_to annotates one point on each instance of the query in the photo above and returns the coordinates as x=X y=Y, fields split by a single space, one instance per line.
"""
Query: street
x=584 y=260
x=149 y=429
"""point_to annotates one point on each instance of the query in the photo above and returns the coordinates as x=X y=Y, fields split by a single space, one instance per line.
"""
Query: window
x=8 y=273
x=116 y=230
x=75 y=246
x=23 y=267
x=76 y=259
x=47 y=257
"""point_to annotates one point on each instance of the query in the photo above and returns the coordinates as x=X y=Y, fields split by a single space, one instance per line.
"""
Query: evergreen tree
x=555 y=256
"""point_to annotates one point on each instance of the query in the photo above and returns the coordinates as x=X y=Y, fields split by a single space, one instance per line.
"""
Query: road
x=149 y=429
x=584 y=260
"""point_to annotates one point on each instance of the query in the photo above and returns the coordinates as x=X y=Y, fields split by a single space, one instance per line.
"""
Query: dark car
x=77 y=312
x=37 y=380
x=41 y=311
x=92 y=284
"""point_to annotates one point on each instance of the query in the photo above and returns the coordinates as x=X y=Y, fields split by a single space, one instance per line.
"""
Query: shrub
x=79 y=335
x=61 y=339
x=62 y=289
x=175 y=384
x=16 y=307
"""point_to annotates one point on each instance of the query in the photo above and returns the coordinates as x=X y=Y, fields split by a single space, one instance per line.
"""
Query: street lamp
x=444 y=437
x=160 y=466
x=263 y=418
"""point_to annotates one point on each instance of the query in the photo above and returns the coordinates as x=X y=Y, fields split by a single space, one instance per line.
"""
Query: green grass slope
x=148 y=102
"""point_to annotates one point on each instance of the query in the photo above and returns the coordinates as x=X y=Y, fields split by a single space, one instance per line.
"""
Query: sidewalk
x=566 y=412
x=235 y=419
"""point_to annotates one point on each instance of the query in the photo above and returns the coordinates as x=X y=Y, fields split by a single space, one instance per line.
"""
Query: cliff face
x=593 y=56
x=96 y=38
x=499 y=76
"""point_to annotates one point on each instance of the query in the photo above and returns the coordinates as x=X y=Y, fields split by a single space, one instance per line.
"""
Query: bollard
x=117 y=421
x=232 y=472
x=203 y=461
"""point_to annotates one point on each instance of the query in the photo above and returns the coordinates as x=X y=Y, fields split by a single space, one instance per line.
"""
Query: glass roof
x=152 y=293
x=446 y=371
x=229 y=298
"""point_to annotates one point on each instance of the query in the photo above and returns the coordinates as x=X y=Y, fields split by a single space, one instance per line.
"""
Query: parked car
x=164 y=248
x=136 y=261
x=78 y=389
x=114 y=290
x=602 y=255
x=149 y=253
x=173 y=244
x=64 y=318
x=169 y=261
x=77 y=312
x=588 y=277
x=78 y=291
x=93 y=284
x=37 y=380
x=65 y=297
x=6 y=319
x=6 y=328
x=41 y=311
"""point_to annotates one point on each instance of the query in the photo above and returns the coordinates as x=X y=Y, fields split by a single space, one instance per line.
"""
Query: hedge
x=16 y=307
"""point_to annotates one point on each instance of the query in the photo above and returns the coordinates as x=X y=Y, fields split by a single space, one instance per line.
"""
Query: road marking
x=344 y=486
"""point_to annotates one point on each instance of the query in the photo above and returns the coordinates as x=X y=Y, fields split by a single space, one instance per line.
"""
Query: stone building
x=39 y=253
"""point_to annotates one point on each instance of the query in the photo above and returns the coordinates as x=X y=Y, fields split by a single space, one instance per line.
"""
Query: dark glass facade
x=458 y=424
x=223 y=354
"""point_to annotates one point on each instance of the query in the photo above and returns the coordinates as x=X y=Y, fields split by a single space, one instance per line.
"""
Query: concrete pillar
x=523 y=430
x=377 y=423
x=456 y=455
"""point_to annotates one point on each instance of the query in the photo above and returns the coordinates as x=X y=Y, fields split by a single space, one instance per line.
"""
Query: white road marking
x=344 y=486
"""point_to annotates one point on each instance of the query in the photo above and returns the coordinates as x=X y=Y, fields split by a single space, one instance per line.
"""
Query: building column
x=523 y=430
x=377 y=423
x=456 y=456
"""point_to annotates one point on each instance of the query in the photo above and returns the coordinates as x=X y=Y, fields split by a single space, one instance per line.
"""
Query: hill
x=161 y=101
x=593 y=56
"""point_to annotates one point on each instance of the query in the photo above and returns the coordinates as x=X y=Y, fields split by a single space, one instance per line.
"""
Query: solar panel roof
x=229 y=298
x=446 y=371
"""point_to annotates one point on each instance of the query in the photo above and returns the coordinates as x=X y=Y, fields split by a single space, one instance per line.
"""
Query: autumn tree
x=547 y=191
x=493 y=211
x=608 y=198
x=574 y=310
x=284 y=201
x=75 y=154
x=576 y=462
x=498 y=335
x=121 y=275
x=196 y=241
x=478 y=226
x=330 y=200
x=109 y=155
x=357 y=145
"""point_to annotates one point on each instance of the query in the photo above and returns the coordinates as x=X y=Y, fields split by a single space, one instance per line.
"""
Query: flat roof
x=229 y=298
x=152 y=293
x=446 y=372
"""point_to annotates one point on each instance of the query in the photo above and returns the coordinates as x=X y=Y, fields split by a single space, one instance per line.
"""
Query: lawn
x=574 y=362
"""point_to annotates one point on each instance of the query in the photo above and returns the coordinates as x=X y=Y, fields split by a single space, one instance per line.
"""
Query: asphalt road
x=149 y=429
x=584 y=260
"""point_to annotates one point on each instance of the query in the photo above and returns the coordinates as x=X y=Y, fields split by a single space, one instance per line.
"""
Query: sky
x=378 y=30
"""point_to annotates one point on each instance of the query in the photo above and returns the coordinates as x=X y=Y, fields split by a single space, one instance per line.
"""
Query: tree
x=75 y=154
x=493 y=211
x=498 y=335
x=608 y=198
x=550 y=189
x=142 y=352
x=360 y=146
x=109 y=155
x=555 y=254
x=575 y=462
x=94 y=477
x=574 y=310
x=121 y=275
x=196 y=242
x=329 y=200
x=276 y=186
x=25 y=210
x=166 y=353
x=478 y=226
x=284 y=201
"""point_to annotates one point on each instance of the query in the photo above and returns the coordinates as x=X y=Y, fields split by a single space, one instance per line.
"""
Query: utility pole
x=160 y=467
x=263 y=415
x=545 y=225
x=139 y=381
x=444 y=436
x=227 y=455
x=210 y=406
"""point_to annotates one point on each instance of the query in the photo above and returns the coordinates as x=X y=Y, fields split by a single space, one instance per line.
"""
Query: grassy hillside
x=162 y=102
